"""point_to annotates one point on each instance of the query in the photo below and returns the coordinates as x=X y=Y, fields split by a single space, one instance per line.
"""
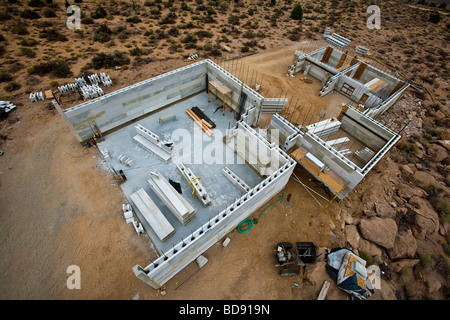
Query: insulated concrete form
x=371 y=134
x=353 y=80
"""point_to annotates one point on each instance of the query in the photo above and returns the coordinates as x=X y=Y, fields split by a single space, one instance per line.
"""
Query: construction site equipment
x=222 y=92
x=304 y=254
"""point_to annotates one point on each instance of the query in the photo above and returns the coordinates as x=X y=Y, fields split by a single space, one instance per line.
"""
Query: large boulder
x=423 y=179
x=426 y=219
x=381 y=231
x=407 y=192
x=352 y=236
x=437 y=153
x=399 y=265
x=369 y=248
x=405 y=246
x=384 y=209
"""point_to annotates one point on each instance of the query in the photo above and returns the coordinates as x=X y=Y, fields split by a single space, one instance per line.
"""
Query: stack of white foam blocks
x=128 y=215
x=89 y=91
x=34 y=97
x=125 y=160
x=7 y=106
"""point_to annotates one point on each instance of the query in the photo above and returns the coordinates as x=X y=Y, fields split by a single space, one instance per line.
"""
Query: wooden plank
x=323 y=292
x=199 y=122
x=159 y=224
x=358 y=73
x=220 y=86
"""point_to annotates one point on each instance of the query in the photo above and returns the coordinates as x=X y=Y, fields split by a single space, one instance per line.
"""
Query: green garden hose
x=247 y=224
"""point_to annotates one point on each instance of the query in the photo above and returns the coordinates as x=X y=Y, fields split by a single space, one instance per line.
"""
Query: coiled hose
x=247 y=224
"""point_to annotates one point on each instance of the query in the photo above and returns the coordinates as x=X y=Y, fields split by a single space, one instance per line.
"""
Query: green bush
x=99 y=13
x=27 y=52
x=36 y=3
x=30 y=42
x=103 y=60
x=435 y=17
x=134 y=19
x=57 y=68
x=52 y=35
x=102 y=33
x=29 y=14
x=426 y=260
x=12 y=86
x=5 y=77
x=234 y=20
x=297 y=12
x=138 y=52
x=204 y=34
x=49 y=13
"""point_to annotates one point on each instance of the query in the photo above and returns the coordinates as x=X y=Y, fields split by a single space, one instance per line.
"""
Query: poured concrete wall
x=121 y=106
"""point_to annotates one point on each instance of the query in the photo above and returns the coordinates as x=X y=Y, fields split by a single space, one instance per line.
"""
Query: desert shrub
x=204 y=34
x=57 y=68
x=160 y=34
x=87 y=20
x=5 y=77
x=173 y=32
x=435 y=17
x=29 y=14
x=52 y=35
x=245 y=49
x=136 y=51
x=29 y=42
x=440 y=205
x=133 y=19
x=139 y=61
x=49 y=13
x=426 y=260
x=297 y=12
x=99 y=13
x=234 y=20
x=2 y=38
x=102 y=33
x=170 y=18
x=36 y=3
x=12 y=86
x=19 y=29
x=27 y=52
x=103 y=60
x=408 y=147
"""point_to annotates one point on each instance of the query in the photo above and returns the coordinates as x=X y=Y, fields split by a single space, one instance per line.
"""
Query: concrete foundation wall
x=121 y=106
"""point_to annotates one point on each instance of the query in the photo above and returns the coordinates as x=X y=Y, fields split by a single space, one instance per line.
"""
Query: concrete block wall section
x=165 y=267
x=126 y=104
x=382 y=107
x=289 y=132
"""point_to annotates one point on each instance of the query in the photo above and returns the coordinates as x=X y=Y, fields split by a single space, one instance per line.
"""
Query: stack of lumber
x=152 y=214
x=202 y=123
x=180 y=208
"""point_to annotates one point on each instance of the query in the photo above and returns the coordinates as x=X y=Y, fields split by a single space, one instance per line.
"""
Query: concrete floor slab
x=189 y=146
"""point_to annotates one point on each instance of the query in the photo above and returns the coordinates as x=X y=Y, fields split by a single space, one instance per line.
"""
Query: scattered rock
x=408 y=192
x=369 y=248
x=381 y=231
x=437 y=153
x=423 y=179
x=406 y=169
x=445 y=135
x=369 y=213
x=349 y=219
x=405 y=246
x=352 y=236
x=426 y=220
x=384 y=210
x=398 y=266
